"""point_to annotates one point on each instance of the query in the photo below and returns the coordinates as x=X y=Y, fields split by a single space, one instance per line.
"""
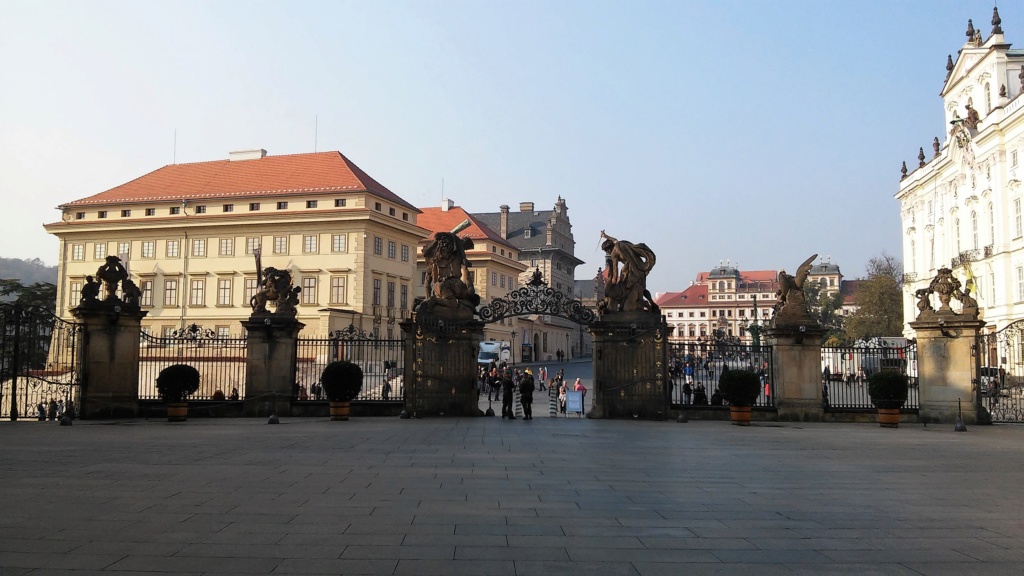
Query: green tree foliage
x=824 y=306
x=879 y=301
x=39 y=294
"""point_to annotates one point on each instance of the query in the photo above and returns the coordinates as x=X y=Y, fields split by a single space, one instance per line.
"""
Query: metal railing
x=845 y=371
x=701 y=364
x=220 y=361
x=382 y=361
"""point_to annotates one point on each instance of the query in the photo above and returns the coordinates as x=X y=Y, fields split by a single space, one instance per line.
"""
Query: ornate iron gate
x=998 y=382
x=40 y=366
x=219 y=359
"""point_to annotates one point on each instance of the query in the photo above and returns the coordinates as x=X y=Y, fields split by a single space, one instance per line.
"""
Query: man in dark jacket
x=508 y=388
x=526 y=387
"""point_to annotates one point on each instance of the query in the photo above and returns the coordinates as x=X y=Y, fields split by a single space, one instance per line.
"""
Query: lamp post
x=513 y=346
x=755 y=330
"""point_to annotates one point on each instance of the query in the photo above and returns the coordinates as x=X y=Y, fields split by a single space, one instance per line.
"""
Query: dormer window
x=527 y=233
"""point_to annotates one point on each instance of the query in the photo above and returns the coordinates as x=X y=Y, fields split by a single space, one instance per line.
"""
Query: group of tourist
x=52 y=410
x=501 y=379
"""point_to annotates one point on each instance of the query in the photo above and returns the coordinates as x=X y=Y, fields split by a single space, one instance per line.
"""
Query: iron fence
x=845 y=371
x=220 y=361
x=40 y=363
x=998 y=382
x=701 y=364
x=382 y=361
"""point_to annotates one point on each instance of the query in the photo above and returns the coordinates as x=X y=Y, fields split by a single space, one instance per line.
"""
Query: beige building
x=187 y=234
x=545 y=241
x=494 y=262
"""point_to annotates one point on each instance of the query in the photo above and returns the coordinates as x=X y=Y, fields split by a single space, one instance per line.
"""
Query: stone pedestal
x=440 y=366
x=944 y=367
x=630 y=367
x=796 y=359
x=271 y=349
x=110 y=361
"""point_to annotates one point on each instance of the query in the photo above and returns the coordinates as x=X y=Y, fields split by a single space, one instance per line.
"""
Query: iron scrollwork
x=193 y=332
x=536 y=298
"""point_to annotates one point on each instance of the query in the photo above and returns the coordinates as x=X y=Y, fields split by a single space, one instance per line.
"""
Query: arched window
x=974 y=230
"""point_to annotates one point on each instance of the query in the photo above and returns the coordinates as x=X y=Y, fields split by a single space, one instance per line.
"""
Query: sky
x=756 y=132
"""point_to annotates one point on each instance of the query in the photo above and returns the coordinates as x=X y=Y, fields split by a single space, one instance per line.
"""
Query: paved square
x=487 y=496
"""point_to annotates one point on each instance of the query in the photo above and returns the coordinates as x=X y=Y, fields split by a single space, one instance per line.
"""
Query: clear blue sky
x=755 y=131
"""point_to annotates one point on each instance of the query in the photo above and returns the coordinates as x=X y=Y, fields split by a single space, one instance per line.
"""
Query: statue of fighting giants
x=275 y=286
x=626 y=267
x=791 y=307
x=447 y=278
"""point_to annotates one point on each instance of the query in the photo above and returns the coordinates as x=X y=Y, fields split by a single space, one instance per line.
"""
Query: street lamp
x=755 y=329
x=513 y=346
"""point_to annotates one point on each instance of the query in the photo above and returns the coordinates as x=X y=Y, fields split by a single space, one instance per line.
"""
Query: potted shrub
x=740 y=388
x=341 y=382
x=175 y=384
x=888 y=391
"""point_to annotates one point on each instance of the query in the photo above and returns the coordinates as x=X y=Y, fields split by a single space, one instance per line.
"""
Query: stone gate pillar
x=945 y=354
x=796 y=359
x=630 y=366
x=271 y=348
x=440 y=365
x=110 y=360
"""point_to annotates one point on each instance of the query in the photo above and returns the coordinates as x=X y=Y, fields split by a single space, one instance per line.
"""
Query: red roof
x=322 y=172
x=696 y=295
x=437 y=220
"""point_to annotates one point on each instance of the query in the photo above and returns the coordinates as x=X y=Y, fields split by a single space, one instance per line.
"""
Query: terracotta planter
x=889 y=417
x=177 y=411
x=740 y=415
x=339 y=410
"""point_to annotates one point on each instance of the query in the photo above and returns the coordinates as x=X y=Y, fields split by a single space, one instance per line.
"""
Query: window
x=527 y=233
x=391 y=211
x=228 y=208
x=79 y=215
x=494 y=278
x=250 y=287
x=337 y=289
x=391 y=294
x=988 y=98
x=338 y=242
x=1013 y=159
x=310 y=203
x=170 y=292
x=913 y=255
x=992 y=287
x=545 y=344
x=282 y=205
x=78 y=251
x=403 y=301
x=197 y=292
x=974 y=230
x=200 y=209
x=147 y=293
x=1016 y=219
x=167 y=331
x=174 y=210
x=931 y=253
x=199 y=247
x=339 y=202
x=280 y=244
x=1020 y=283
x=226 y=246
x=376 y=206
x=378 y=245
x=405 y=216
x=99 y=250
x=391 y=249
x=309 y=289
x=502 y=281
x=956 y=232
x=703 y=314
x=224 y=291
x=376 y=291
x=148 y=249
x=309 y=244
x=991 y=224
x=75 y=294
x=126 y=213
x=254 y=206
x=405 y=253
x=251 y=244
x=223 y=331
x=691 y=314
x=124 y=250
x=171 y=250
x=101 y=214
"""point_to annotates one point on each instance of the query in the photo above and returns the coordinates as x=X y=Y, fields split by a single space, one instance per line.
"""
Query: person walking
x=526 y=387
x=579 y=387
x=508 y=389
x=561 y=398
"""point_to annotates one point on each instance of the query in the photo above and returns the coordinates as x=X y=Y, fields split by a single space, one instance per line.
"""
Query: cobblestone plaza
x=487 y=496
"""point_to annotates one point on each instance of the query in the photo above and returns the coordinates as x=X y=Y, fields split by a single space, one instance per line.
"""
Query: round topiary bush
x=739 y=387
x=342 y=381
x=888 y=389
x=177 y=382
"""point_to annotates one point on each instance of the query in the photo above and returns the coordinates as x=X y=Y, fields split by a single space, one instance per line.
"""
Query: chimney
x=247 y=155
x=447 y=204
x=504 y=221
x=526 y=206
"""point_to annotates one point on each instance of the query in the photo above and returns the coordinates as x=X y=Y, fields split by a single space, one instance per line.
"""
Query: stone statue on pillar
x=626 y=268
x=449 y=292
x=947 y=287
x=274 y=286
x=791 y=307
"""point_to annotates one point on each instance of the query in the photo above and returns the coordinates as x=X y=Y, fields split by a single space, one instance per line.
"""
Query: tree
x=879 y=301
x=39 y=294
x=824 y=305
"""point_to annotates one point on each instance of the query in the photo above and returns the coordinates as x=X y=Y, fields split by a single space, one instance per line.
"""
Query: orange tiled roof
x=292 y=174
x=696 y=295
x=437 y=220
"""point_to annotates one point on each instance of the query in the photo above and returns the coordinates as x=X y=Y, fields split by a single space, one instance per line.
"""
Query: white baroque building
x=962 y=206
